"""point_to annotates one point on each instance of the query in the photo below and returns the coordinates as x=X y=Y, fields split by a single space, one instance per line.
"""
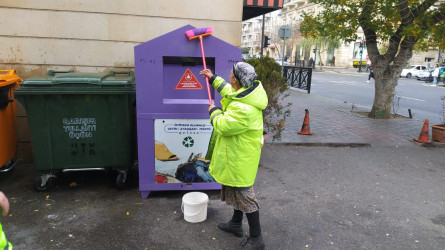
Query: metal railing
x=298 y=77
x=304 y=63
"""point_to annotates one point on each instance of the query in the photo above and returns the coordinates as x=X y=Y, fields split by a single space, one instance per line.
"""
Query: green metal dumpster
x=80 y=121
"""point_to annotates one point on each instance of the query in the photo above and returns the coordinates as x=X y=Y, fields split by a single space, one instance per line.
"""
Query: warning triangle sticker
x=188 y=81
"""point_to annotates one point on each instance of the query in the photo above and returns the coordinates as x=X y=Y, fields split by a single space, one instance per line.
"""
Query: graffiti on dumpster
x=77 y=128
x=82 y=149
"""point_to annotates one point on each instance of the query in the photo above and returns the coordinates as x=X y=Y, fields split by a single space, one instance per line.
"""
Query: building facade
x=347 y=55
x=252 y=34
x=97 y=36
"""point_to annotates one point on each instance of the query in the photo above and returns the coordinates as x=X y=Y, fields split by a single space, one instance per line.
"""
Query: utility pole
x=262 y=36
x=361 y=54
x=284 y=33
x=315 y=56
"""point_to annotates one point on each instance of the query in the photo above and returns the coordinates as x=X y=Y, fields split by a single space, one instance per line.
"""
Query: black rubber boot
x=232 y=227
x=252 y=243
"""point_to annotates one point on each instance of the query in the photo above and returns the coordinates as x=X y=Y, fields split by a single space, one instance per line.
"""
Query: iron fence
x=304 y=63
x=298 y=77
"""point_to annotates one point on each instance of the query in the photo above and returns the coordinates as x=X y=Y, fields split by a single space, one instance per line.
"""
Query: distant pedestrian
x=371 y=72
x=311 y=63
x=435 y=74
x=368 y=63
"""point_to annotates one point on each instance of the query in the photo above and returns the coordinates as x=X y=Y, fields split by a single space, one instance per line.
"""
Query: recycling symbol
x=188 y=142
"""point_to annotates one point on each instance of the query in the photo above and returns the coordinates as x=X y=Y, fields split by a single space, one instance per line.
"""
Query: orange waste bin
x=9 y=81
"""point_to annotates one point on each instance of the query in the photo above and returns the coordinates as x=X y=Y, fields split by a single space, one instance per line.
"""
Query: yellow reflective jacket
x=4 y=244
x=239 y=133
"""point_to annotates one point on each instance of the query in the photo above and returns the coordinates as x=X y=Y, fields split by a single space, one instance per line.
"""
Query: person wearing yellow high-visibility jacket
x=4 y=204
x=235 y=147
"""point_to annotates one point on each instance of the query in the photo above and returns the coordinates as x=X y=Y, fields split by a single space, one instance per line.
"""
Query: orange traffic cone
x=305 y=130
x=424 y=134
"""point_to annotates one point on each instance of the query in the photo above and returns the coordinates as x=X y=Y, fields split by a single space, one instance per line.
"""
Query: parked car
x=280 y=62
x=424 y=74
x=412 y=70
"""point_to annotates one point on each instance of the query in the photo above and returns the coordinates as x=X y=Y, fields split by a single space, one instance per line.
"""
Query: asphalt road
x=423 y=99
x=310 y=198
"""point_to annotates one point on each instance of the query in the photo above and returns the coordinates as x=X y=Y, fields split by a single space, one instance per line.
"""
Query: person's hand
x=206 y=73
x=211 y=106
x=4 y=203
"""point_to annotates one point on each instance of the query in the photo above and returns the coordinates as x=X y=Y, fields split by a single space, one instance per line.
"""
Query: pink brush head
x=200 y=32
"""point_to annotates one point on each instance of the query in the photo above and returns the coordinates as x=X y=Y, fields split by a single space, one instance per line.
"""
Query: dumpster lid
x=70 y=78
x=8 y=77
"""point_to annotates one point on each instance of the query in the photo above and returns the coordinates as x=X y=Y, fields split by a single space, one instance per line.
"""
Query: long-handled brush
x=200 y=33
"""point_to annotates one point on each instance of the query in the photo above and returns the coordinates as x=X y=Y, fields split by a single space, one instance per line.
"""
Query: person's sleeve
x=221 y=85
x=232 y=122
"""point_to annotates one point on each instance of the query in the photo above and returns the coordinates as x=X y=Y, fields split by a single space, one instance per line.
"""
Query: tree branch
x=405 y=13
x=439 y=17
x=401 y=59
x=370 y=34
x=407 y=19
x=416 y=12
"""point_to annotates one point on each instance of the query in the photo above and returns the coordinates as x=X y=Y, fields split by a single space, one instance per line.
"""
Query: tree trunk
x=385 y=84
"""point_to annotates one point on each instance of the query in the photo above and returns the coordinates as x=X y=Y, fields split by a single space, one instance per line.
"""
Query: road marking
x=415 y=99
x=352 y=83
x=360 y=106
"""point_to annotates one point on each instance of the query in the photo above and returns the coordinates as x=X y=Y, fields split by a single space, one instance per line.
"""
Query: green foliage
x=392 y=29
x=322 y=43
x=269 y=73
x=344 y=17
x=245 y=50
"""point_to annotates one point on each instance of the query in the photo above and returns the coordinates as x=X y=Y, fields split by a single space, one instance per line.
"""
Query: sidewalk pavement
x=341 y=70
x=385 y=194
x=336 y=122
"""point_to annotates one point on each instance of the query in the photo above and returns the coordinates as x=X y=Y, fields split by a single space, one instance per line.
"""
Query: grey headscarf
x=244 y=73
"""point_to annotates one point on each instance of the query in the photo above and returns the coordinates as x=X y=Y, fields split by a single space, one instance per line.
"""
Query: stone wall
x=419 y=57
x=97 y=36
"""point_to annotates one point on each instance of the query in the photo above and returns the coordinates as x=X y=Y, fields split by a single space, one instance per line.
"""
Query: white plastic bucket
x=194 y=206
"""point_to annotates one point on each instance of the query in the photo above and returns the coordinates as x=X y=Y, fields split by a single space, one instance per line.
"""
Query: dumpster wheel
x=43 y=182
x=121 y=178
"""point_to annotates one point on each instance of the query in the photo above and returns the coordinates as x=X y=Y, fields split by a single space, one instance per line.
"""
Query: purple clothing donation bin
x=172 y=109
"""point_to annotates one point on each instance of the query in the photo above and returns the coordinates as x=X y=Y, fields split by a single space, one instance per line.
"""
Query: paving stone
x=332 y=121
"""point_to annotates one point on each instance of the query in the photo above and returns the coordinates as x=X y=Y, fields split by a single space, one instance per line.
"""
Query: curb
x=321 y=144
x=433 y=145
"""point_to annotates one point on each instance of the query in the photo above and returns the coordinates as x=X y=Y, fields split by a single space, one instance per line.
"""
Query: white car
x=280 y=62
x=424 y=74
x=412 y=70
